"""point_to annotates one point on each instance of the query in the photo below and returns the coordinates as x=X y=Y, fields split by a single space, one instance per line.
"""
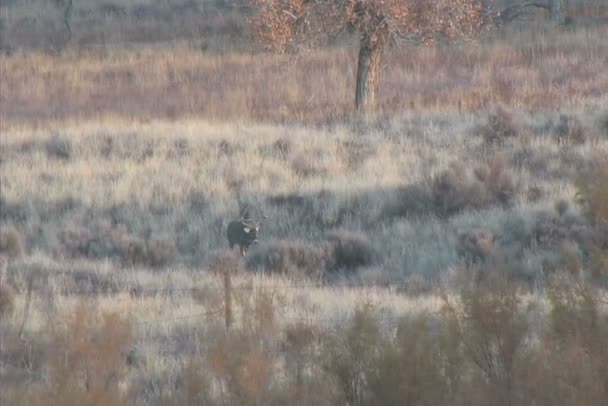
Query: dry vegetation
x=454 y=250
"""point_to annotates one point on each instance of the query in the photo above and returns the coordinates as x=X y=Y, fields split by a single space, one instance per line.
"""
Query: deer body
x=243 y=233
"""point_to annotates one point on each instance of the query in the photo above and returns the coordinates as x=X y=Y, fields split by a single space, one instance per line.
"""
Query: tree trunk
x=369 y=64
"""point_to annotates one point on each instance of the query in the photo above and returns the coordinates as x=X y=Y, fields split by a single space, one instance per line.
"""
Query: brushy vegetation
x=447 y=251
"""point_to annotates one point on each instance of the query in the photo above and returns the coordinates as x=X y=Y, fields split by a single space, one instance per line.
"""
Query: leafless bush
x=305 y=164
x=492 y=330
x=415 y=285
x=350 y=250
x=291 y=256
x=7 y=300
x=58 y=148
x=458 y=189
x=160 y=252
x=499 y=126
x=570 y=130
x=476 y=244
x=603 y=124
x=11 y=242
x=225 y=261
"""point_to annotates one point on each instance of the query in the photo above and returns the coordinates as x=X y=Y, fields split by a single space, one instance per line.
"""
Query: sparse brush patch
x=133 y=250
x=593 y=192
x=498 y=127
x=160 y=252
x=415 y=285
x=305 y=164
x=603 y=124
x=457 y=188
x=351 y=353
x=282 y=147
x=350 y=250
x=7 y=301
x=58 y=147
x=356 y=153
x=492 y=329
x=89 y=364
x=221 y=261
x=570 y=130
x=476 y=244
x=11 y=242
x=285 y=257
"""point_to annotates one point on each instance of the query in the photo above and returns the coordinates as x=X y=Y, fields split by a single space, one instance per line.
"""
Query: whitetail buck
x=244 y=232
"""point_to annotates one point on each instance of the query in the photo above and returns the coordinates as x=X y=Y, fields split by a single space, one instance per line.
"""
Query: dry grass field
x=449 y=251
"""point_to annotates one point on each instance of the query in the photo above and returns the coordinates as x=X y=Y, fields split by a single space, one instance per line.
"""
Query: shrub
x=570 y=130
x=11 y=242
x=492 y=331
x=603 y=124
x=593 y=192
x=133 y=250
x=476 y=244
x=415 y=285
x=499 y=126
x=225 y=261
x=291 y=256
x=304 y=164
x=7 y=301
x=351 y=354
x=58 y=148
x=409 y=370
x=350 y=250
x=160 y=252
x=457 y=188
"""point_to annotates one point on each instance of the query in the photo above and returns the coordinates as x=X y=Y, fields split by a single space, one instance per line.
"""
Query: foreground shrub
x=160 y=252
x=570 y=130
x=11 y=242
x=457 y=188
x=7 y=301
x=476 y=244
x=291 y=257
x=58 y=148
x=350 y=250
x=499 y=126
x=492 y=330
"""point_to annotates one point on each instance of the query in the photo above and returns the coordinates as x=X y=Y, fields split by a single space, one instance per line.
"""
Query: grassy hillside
x=451 y=250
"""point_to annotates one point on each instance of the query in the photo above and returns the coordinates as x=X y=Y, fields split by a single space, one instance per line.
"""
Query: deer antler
x=262 y=215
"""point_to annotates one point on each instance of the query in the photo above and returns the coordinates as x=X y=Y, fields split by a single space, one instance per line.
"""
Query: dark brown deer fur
x=243 y=232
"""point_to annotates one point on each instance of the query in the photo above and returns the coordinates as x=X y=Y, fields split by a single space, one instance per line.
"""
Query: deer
x=244 y=232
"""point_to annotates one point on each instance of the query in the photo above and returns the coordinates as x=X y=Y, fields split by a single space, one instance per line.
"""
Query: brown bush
x=498 y=127
x=7 y=301
x=492 y=330
x=160 y=252
x=350 y=250
x=603 y=124
x=133 y=251
x=58 y=148
x=457 y=188
x=593 y=192
x=305 y=164
x=89 y=366
x=11 y=242
x=291 y=256
x=476 y=244
x=225 y=261
x=415 y=285
x=570 y=130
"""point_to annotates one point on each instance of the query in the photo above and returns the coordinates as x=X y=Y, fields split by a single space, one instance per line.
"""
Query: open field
x=450 y=251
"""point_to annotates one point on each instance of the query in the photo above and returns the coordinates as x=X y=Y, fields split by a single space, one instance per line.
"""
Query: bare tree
x=282 y=24
x=556 y=9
